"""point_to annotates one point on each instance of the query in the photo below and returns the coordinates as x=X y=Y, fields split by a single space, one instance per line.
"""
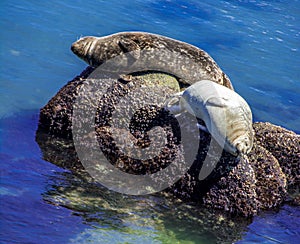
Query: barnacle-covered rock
x=235 y=192
x=239 y=187
x=270 y=183
x=284 y=146
x=56 y=116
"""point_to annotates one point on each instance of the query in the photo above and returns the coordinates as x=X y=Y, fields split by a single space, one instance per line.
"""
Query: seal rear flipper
x=173 y=105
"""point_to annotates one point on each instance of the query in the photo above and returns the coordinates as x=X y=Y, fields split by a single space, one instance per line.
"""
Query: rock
x=270 y=183
x=284 y=146
x=55 y=117
x=236 y=192
x=243 y=187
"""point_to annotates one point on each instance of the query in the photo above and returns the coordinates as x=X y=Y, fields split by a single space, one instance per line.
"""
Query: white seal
x=226 y=114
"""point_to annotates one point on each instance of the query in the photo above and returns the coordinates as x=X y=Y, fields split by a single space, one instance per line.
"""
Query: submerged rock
x=240 y=187
x=167 y=217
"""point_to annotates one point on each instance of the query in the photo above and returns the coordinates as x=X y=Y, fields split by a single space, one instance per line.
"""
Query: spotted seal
x=153 y=52
x=227 y=116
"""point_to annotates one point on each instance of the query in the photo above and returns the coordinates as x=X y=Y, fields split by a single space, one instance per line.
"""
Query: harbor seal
x=153 y=52
x=227 y=116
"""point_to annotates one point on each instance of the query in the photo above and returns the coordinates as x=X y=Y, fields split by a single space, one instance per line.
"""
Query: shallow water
x=257 y=43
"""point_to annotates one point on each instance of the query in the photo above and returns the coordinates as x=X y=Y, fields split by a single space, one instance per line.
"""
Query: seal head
x=83 y=48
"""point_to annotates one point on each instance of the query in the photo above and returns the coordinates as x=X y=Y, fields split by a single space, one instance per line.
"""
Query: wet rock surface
x=101 y=208
x=237 y=186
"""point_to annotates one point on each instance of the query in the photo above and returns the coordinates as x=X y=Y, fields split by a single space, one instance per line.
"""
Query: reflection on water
x=275 y=227
x=158 y=217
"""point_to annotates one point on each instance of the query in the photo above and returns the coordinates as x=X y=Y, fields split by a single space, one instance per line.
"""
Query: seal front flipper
x=173 y=105
x=130 y=47
x=221 y=101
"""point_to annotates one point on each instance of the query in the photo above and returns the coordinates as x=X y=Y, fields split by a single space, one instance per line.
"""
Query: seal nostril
x=240 y=148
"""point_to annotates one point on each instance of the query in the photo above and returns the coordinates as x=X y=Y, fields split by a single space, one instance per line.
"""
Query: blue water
x=257 y=43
